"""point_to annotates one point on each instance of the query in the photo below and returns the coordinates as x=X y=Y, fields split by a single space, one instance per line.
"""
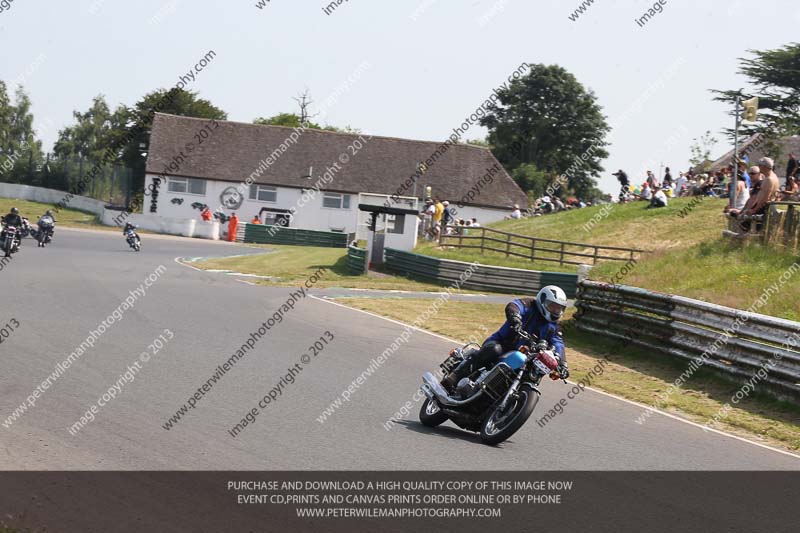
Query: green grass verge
x=727 y=273
x=627 y=225
x=631 y=373
x=292 y=265
x=65 y=217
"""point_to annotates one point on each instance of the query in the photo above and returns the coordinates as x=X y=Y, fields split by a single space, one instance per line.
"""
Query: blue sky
x=432 y=62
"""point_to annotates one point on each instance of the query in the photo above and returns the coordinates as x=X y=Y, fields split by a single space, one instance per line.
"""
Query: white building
x=320 y=176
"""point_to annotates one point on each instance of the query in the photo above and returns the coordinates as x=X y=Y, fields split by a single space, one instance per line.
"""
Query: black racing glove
x=563 y=371
x=515 y=320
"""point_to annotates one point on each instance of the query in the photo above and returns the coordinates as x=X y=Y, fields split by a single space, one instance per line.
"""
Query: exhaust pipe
x=430 y=386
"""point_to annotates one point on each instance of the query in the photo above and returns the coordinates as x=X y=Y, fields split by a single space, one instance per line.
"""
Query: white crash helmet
x=551 y=301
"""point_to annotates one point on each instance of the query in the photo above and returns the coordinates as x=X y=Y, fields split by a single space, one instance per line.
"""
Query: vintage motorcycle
x=494 y=401
x=9 y=240
x=26 y=229
x=133 y=240
x=44 y=233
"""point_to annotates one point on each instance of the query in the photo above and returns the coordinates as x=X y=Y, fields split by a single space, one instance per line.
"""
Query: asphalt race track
x=58 y=295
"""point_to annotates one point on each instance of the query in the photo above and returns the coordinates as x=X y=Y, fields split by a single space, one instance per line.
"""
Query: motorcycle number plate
x=541 y=366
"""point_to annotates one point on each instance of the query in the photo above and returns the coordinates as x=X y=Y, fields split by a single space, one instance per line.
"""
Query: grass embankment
x=623 y=225
x=65 y=217
x=292 y=265
x=727 y=273
x=690 y=257
x=634 y=374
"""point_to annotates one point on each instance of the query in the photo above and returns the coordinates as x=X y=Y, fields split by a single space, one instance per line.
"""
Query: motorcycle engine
x=465 y=388
x=497 y=381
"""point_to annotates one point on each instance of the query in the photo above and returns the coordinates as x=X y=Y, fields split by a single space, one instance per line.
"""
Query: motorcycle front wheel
x=430 y=415
x=499 y=426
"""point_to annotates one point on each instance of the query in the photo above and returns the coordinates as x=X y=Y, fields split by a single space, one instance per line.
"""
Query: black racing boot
x=459 y=373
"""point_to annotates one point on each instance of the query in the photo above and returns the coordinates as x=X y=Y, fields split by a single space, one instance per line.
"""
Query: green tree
x=173 y=102
x=20 y=152
x=701 y=151
x=775 y=78
x=549 y=119
x=531 y=179
x=292 y=120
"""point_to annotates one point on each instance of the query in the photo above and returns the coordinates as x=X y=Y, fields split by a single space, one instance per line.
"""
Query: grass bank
x=626 y=225
x=65 y=217
x=634 y=374
x=291 y=265
x=733 y=274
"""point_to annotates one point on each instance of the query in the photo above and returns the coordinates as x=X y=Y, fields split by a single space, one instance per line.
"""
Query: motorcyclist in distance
x=47 y=222
x=537 y=317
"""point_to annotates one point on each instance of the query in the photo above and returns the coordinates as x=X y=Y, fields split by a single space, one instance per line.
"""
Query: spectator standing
x=437 y=217
x=651 y=180
x=679 y=183
x=667 y=178
x=624 y=183
x=447 y=215
x=791 y=169
x=232 y=225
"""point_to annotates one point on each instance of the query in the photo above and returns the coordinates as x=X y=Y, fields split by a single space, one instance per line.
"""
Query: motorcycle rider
x=47 y=220
x=128 y=227
x=12 y=219
x=537 y=317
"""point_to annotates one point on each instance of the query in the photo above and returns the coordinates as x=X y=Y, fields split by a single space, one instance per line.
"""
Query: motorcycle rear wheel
x=430 y=415
x=500 y=426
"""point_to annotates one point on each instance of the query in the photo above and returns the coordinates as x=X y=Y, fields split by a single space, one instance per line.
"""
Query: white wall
x=187 y=226
x=309 y=213
x=485 y=215
x=49 y=196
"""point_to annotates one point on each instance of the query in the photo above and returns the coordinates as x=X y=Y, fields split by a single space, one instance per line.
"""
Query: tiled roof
x=234 y=150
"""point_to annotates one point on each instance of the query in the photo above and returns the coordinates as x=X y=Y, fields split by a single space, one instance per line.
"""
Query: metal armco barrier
x=356 y=260
x=686 y=328
x=262 y=234
x=484 y=278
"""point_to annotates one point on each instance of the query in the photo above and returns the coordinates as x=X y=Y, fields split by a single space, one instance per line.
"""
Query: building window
x=395 y=223
x=263 y=193
x=187 y=186
x=334 y=200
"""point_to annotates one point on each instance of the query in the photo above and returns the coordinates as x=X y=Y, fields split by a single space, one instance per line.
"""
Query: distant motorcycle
x=9 y=240
x=496 y=401
x=133 y=239
x=44 y=233
x=26 y=229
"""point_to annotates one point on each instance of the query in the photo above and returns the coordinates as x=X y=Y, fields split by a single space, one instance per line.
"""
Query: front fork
x=512 y=390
